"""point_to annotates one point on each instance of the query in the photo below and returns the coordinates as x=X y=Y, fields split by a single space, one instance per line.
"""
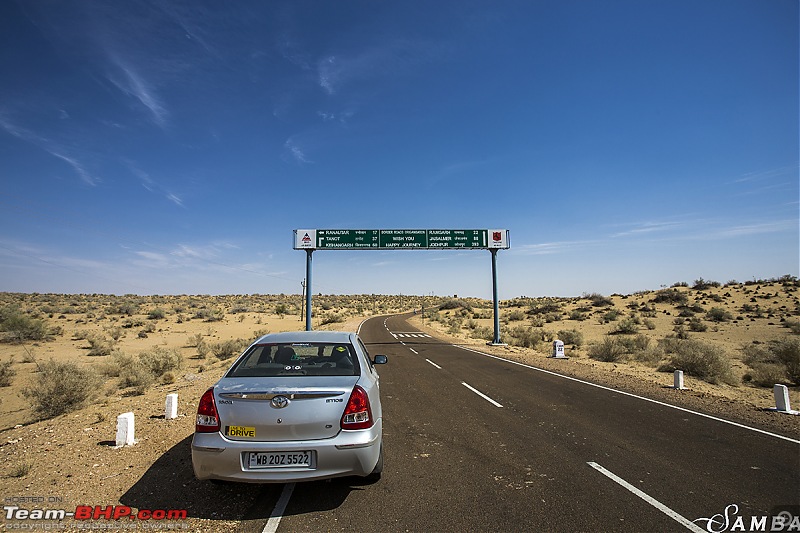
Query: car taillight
x=207 y=416
x=357 y=413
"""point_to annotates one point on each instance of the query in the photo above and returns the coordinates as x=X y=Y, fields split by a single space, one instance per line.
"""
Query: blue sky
x=172 y=147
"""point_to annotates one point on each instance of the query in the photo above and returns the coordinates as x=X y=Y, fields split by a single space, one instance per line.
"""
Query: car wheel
x=375 y=475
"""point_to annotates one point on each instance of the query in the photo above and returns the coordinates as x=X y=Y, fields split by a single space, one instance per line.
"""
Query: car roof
x=306 y=336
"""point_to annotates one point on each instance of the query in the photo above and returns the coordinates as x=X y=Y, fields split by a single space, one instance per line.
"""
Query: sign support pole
x=495 y=298
x=308 y=289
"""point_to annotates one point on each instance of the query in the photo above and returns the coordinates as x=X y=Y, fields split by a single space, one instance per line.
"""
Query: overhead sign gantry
x=402 y=239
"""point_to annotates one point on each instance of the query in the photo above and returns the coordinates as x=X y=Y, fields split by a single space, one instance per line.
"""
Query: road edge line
x=657 y=402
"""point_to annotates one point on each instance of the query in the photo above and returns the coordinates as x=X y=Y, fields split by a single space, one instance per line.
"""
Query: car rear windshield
x=301 y=359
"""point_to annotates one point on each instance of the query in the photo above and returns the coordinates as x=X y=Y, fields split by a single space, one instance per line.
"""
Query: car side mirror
x=380 y=360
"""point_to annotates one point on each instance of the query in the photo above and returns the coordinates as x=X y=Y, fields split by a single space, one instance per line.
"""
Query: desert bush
x=544 y=307
x=718 y=314
x=20 y=470
x=610 y=316
x=515 y=315
x=482 y=332
x=203 y=349
x=523 y=336
x=577 y=315
x=629 y=326
x=788 y=352
x=281 y=310
x=766 y=374
x=571 y=336
x=127 y=308
x=228 y=348
x=635 y=343
x=454 y=303
x=99 y=346
x=672 y=296
x=704 y=361
x=210 y=315
x=115 y=333
x=7 y=373
x=160 y=360
x=156 y=314
x=793 y=325
x=649 y=324
x=194 y=340
x=333 y=318
x=61 y=388
x=610 y=350
x=697 y=325
x=702 y=284
x=598 y=300
x=20 y=327
x=135 y=374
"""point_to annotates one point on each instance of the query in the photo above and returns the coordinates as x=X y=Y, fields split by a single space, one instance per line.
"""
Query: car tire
x=375 y=475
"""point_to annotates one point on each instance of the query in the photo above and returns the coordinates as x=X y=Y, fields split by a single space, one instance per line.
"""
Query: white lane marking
x=649 y=499
x=277 y=513
x=683 y=409
x=434 y=364
x=413 y=350
x=482 y=395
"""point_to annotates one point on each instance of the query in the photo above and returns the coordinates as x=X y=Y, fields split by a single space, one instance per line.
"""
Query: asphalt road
x=474 y=443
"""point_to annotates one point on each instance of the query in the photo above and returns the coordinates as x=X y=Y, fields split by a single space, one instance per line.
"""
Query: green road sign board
x=400 y=239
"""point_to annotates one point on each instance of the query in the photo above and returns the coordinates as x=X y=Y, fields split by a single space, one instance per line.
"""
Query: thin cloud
x=152 y=186
x=49 y=146
x=647 y=228
x=134 y=85
x=779 y=226
x=335 y=71
x=296 y=151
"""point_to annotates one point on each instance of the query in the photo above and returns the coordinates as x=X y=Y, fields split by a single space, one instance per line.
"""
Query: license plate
x=257 y=460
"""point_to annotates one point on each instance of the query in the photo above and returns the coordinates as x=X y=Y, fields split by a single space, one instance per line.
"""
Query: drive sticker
x=240 y=431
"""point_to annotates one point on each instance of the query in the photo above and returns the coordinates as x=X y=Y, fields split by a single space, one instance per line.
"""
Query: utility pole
x=303 y=302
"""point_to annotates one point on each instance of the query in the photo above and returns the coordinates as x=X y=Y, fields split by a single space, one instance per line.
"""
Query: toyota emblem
x=279 y=402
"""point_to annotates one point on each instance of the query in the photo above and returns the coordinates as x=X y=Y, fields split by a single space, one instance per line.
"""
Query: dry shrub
x=773 y=363
x=704 y=361
x=21 y=328
x=523 y=336
x=229 y=348
x=61 y=388
x=6 y=373
x=571 y=336
x=610 y=350
x=161 y=360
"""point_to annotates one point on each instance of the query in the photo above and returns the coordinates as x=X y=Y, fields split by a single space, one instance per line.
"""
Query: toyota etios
x=295 y=406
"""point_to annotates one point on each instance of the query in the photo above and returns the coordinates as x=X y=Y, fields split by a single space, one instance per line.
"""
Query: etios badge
x=279 y=402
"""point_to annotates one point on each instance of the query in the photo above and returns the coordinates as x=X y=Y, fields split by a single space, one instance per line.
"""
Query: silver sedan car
x=296 y=406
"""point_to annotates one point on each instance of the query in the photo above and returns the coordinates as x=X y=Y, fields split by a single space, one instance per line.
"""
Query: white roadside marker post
x=782 y=400
x=171 y=407
x=125 y=430
x=558 y=350
x=679 y=380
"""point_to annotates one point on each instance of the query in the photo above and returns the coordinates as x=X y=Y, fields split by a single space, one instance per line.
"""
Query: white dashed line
x=434 y=364
x=482 y=395
x=277 y=513
x=649 y=499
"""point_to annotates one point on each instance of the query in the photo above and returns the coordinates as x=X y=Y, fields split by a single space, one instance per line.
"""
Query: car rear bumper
x=350 y=453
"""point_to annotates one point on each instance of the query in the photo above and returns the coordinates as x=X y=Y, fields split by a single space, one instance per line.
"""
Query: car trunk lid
x=285 y=410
